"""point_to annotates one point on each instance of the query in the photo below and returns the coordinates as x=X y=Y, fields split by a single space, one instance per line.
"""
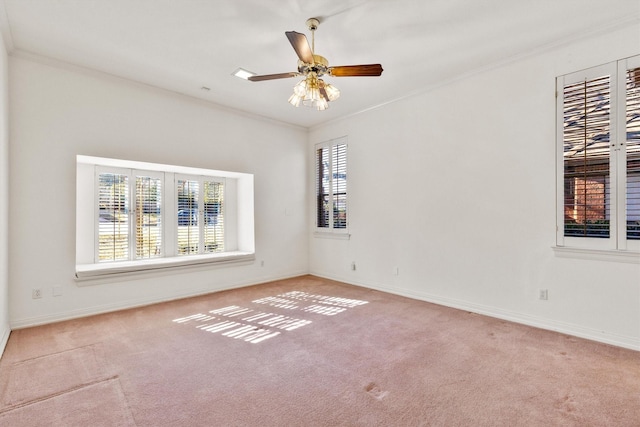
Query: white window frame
x=330 y=230
x=616 y=246
x=238 y=217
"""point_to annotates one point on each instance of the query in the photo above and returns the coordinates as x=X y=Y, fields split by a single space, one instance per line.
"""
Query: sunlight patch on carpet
x=255 y=326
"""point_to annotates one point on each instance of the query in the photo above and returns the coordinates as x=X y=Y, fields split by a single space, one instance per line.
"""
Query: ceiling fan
x=313 y=91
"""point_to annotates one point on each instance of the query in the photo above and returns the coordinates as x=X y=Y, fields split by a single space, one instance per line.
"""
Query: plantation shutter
x=586 y=139
x=188 y=235
x=148 y=216
x=213 y=200
x=331 y=186
x=113 y=217
x=323 y=169
x=633 y=153
x=339 y=169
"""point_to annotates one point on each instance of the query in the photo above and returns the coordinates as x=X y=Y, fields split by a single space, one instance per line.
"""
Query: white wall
x=58 y=111
x=4 y=198
x=456 y=188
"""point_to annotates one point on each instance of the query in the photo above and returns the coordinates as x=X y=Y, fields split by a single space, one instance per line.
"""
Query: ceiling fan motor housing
x=320 y=66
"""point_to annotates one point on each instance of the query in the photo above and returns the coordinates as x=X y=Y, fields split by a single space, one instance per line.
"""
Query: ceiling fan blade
x=301 y=46
x=372 y=70
x=273 y=76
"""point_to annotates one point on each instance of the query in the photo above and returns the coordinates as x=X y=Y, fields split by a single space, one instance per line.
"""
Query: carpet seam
x=89 y=346
x=60 y=393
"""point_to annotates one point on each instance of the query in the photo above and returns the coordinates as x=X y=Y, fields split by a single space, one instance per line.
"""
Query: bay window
x=135 y=216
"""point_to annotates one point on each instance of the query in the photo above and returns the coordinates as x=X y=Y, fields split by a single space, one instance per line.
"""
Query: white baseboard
x=631 y=343
x=140 y=302
x=4 y=338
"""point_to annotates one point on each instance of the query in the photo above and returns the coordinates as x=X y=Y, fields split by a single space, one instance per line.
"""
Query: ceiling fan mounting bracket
x=312 y=23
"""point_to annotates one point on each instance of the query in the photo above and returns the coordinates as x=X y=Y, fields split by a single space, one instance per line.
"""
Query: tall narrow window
x=587 y=127
x=599 y=157
x=331 y=185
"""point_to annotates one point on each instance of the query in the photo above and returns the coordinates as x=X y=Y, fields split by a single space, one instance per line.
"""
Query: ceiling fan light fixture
x=313 y=92
x=295 y=100
x=300 y=89
x=333 y=92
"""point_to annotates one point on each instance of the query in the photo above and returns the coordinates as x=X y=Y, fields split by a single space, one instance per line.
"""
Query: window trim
x=86 y=272
x=242 y=243
x=617 y=246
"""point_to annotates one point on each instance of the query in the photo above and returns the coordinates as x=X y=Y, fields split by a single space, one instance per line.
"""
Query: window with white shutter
x=188 y=218
x=149 y=225
x=633 y=152
x=599 y=157
x=129 y=223
x=213 y=224
x=331 y=186
x=200 y=218
x=113 y=217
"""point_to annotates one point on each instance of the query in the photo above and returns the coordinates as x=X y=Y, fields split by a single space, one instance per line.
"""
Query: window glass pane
x=322 y=187
x=586 y=158
x=113 y=217
x=148 y=217
x=633 y=154
x=213 y=216
x=188 y=232
x=340 y=186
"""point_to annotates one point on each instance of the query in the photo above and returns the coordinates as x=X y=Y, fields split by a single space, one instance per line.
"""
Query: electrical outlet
x=353 y=266
x=36 y=293
x=543 y=294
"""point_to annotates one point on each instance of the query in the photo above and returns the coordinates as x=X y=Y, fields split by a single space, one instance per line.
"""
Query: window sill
x=597 y=254
x=329 y=235
x=85 y=272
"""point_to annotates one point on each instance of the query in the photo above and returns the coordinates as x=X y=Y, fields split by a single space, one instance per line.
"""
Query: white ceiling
x=183 y=45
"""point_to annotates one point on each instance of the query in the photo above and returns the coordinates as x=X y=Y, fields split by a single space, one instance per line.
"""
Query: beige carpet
x=311 y=352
